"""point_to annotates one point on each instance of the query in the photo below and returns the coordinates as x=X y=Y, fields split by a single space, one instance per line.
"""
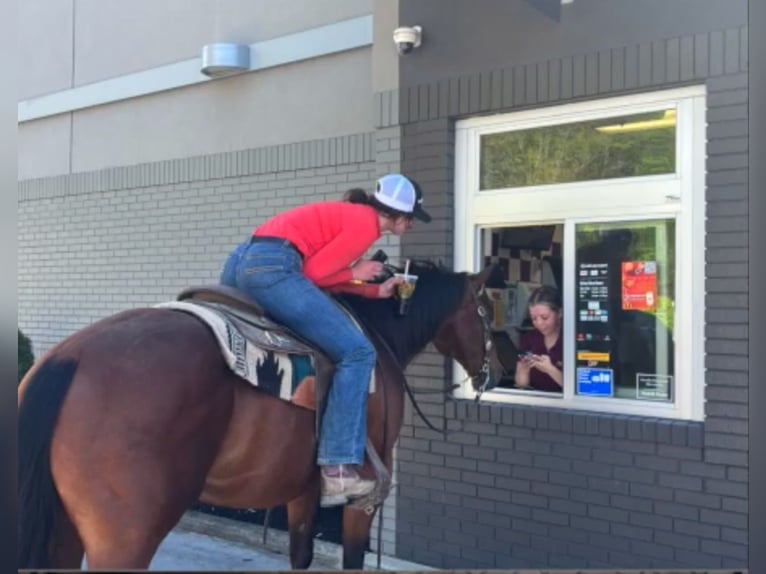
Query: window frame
x=680 y=196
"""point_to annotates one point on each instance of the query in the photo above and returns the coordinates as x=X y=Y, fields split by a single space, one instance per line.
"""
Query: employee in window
x=539 y=365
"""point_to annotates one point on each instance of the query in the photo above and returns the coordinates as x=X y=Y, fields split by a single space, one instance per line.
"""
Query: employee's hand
x=366 y=270
x=542 y=363
x=388 y=287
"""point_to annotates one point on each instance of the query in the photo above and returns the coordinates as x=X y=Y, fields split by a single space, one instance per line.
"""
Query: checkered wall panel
x=519 y=264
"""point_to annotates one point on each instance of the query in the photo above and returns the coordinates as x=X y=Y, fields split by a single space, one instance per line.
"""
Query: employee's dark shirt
x=534 y=342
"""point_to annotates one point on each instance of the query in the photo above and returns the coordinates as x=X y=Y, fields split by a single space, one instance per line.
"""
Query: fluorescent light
x=666 y=121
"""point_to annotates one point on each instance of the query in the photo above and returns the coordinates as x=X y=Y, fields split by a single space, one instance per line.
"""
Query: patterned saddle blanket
x=260 y=351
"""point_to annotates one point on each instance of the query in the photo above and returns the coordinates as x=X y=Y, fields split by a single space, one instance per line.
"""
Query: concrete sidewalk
x=246 y=536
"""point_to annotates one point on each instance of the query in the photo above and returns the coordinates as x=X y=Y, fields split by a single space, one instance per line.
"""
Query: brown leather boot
x=342 y=482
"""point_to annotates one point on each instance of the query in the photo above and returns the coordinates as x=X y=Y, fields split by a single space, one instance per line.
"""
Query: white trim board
x=312 y=43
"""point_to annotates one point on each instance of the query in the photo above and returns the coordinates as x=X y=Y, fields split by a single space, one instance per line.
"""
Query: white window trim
x=680 y=196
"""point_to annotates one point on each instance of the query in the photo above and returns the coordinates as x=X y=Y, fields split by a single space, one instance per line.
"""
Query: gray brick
x=607 y=513
x=733 y=535
x=680 y=481
x=632 y=474
x=657 y=463
x=515 y=484
x=494 y=494
x=628 y=502
x=735 y=505
x=590 y=496
x=612 y=457
x=716 y=456
x=533 y=474
x=738 y=551
x=720 y=518
x=569 y=534
x=590 y=524
x=592 y=469
x=652 y=549
x=680 y=453
x=675 y=510
x=696 y=529
x=549 y=517
x=531 y=527
x=736 y=474
x=726 y=441
x=657 y=493
x=567 y=479
x=698 y=499
x=698 y=558
x=632 y=532
x=530 y=500
x=552 y=463
x=550 y=490
x=459 y=462
x=653 y=521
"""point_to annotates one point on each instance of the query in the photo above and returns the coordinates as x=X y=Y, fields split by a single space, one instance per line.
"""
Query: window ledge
x=604 y=425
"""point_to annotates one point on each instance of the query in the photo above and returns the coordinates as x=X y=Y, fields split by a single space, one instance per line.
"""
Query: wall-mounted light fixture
x=219 y=60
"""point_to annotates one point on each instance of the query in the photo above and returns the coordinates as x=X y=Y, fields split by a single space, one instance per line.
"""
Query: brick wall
x=515 y=486
x=97 y=243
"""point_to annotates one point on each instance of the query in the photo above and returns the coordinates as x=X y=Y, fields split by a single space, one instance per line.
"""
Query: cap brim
x=420 y=213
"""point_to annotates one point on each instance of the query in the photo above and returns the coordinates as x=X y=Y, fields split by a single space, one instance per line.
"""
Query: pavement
x=204 y=542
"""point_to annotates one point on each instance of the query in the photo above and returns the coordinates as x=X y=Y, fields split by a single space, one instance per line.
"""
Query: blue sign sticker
x=595 y=382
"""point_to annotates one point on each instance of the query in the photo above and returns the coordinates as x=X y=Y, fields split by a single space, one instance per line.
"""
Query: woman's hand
x=366 y=270
x=388 y=287
x=542 y=363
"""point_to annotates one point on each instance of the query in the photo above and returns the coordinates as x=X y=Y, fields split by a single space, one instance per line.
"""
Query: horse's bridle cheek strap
x=487 y=343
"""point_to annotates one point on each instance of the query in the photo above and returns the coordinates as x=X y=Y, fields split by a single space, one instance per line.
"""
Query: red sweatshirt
x=330 y=236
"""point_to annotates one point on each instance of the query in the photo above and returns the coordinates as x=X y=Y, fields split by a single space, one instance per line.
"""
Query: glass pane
x=624 y=146
x=625 y=294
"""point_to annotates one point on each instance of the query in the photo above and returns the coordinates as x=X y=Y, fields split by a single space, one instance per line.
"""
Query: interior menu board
x=595 y=375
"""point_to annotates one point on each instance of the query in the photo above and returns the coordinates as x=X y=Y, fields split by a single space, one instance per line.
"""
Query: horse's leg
x=300 y=519
x=356 y=534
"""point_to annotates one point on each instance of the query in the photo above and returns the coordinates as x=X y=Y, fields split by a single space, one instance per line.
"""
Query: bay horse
x=125 y=424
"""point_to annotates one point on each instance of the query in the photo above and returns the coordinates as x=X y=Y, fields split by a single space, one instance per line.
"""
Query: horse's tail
x=39 y=504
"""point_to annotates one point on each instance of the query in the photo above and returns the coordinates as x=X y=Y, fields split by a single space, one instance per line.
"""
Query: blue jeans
x=271 y=273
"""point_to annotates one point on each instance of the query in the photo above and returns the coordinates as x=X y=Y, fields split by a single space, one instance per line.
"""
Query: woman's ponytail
x=357 y=195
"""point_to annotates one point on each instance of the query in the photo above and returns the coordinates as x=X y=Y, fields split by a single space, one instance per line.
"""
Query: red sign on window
x=639 y=285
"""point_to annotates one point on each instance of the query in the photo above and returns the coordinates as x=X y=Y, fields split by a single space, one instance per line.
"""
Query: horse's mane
x=438 y=293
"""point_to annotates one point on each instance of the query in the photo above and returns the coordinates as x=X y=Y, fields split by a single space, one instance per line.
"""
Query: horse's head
x=448 y=308
x=466 y=335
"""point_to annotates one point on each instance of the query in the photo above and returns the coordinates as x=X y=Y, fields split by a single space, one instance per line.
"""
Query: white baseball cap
x=401 y=194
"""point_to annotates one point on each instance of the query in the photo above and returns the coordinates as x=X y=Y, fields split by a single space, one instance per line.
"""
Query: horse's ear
x=479 y=280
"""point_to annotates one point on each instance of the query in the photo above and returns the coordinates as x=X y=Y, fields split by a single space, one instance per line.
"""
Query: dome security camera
x=407 y=38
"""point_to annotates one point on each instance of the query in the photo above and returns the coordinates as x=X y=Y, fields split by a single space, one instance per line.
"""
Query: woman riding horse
x=283 y=267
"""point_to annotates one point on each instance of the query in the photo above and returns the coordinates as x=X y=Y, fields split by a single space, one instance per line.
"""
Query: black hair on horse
x=437 y=294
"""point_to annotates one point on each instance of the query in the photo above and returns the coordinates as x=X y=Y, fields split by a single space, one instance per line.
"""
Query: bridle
x=483 y=375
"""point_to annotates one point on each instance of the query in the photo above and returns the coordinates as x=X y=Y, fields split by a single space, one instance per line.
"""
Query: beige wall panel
x=315 y=99
x=45 y=46
x=43 y=147
x=385 y=58
x=115 y=37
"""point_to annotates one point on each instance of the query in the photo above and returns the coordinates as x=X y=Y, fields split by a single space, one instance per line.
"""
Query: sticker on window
x=639 y=285
x=595 y=382
x=653 y=387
